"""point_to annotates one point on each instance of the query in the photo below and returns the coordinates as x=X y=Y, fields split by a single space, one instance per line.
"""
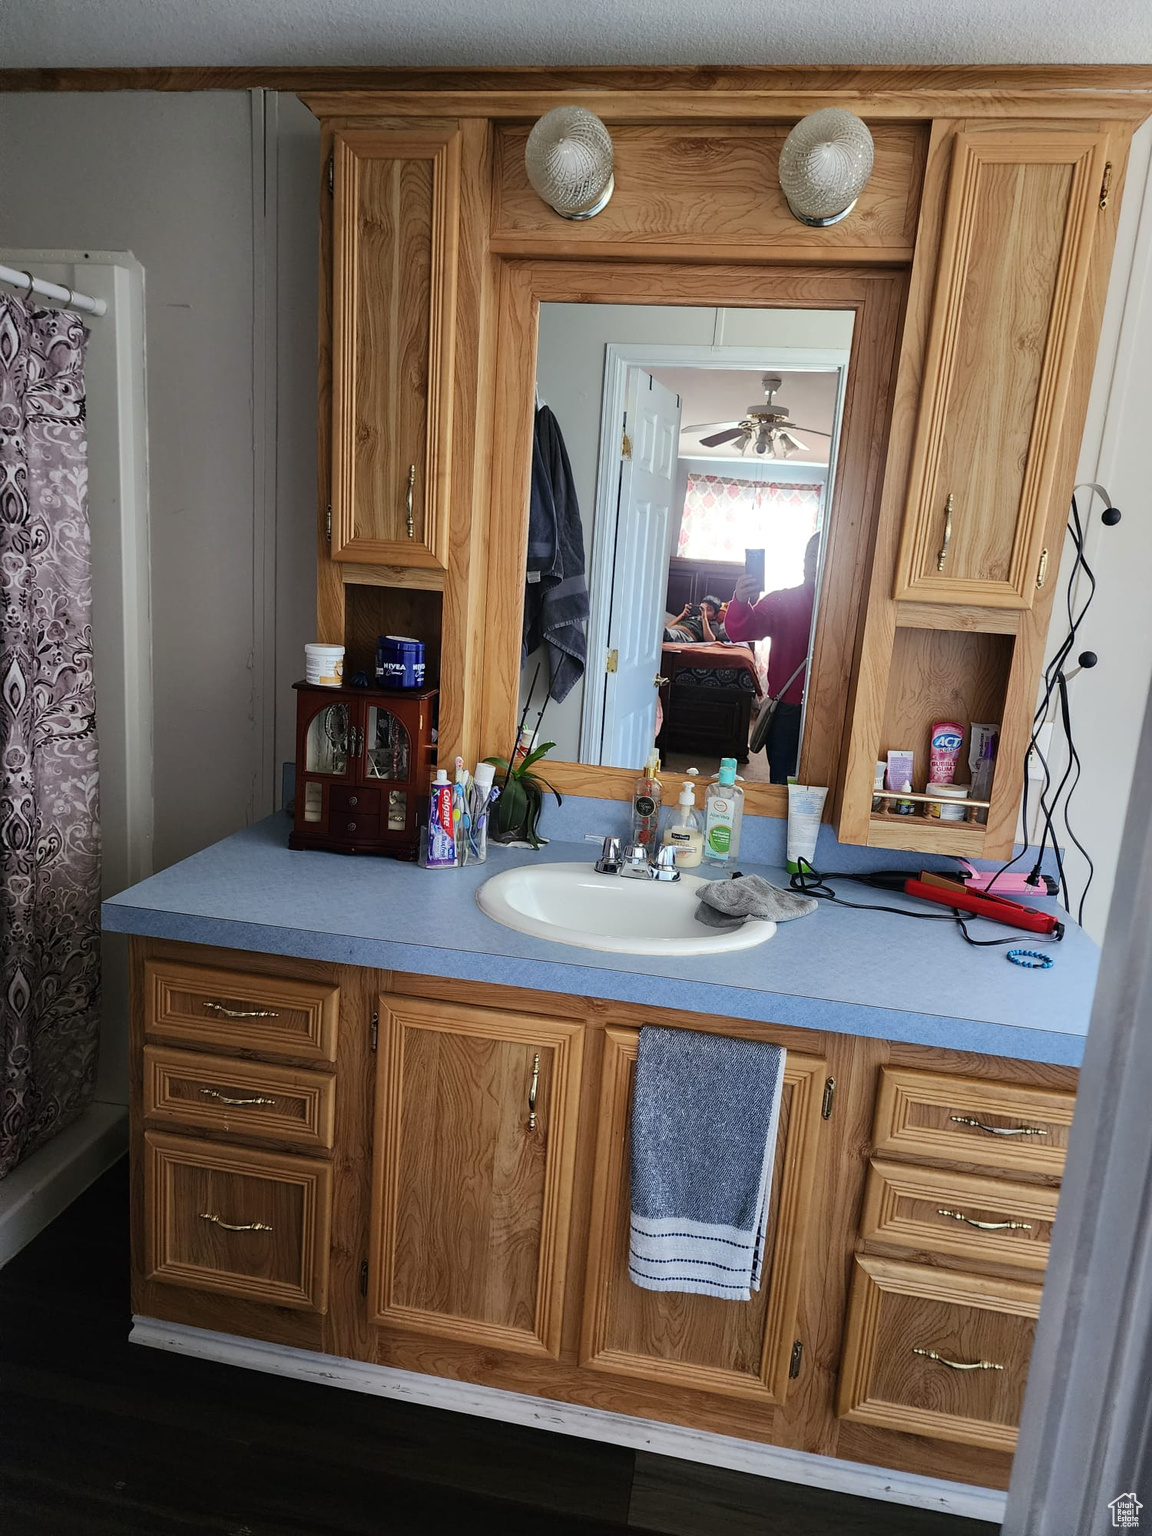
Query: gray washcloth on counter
x=728 y=903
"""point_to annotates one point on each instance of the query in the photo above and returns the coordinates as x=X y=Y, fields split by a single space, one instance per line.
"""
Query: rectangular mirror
x=692 y=451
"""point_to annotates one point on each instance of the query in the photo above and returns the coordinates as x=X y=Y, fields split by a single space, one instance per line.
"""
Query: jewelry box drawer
x=243 y=1098
x=963 y=1215
x=365 y=829
x=938 y=1353
x=254 y=1225
x=276 y=1016
x=345 y=797
x=968 y=1120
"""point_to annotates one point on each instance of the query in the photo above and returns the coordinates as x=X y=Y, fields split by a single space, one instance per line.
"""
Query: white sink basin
x=572 y=904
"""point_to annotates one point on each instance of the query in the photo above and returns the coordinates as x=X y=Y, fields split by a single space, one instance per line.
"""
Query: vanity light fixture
x=825 y=163
x=569 y=162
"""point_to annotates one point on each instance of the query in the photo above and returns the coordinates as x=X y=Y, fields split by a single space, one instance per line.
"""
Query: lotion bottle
x=646 y=805
x=723 y=813
x=685 y=831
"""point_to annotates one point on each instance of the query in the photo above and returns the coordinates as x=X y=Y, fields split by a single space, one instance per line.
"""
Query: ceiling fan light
x=569 y=162
x=825 y=163
x=789 y=443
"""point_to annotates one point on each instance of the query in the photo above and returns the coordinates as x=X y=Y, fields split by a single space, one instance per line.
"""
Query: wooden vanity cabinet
x=986 y=505
x=433 y=1176
x=395 y=218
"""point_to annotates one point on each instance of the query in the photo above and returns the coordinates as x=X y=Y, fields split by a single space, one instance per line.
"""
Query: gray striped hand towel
x=705 y=1110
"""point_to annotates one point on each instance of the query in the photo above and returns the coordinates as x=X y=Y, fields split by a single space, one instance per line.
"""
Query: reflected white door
x=640 y=574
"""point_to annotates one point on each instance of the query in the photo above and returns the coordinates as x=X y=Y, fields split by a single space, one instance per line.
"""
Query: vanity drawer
x=938 y=1353
x=275 y=1016
x=250 y=1224
x=959 y=1214
x=968 y=1120
x=354 y=797
x=245 y=1098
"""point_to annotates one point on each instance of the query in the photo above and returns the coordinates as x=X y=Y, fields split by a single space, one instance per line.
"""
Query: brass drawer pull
x=211 y=1093
x=242 y=1013
x=532 y=1091
x=957 y=1365
x=408 y=501
x=229 y=1226
x=988 y=1226
x=943 y=555
x=1001 y=1130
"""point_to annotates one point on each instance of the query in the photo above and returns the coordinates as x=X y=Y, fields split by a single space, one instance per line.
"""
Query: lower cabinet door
x=475 y=1141
x=250 y=1224
x=739 y=1348
x=937 y=1352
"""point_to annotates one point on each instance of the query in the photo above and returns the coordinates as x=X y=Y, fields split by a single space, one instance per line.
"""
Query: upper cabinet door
x=396 y=203
x=1015 y=254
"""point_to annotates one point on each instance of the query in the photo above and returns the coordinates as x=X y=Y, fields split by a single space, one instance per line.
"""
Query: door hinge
x=1105 y=186
x=375 y=1029
x=625 y=447
x=331 y=176
x=612 y=660
x=794 y=1362
x=829 y=1095
x=328 y=523
x=364 y=1278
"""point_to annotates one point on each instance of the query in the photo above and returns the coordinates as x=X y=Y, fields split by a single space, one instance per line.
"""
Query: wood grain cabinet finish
x=396 y=209
x=964 y=1120
x=239 y=1098
x=962 y=1216
x=736 y=1349
x=938 y=1353
x=250 y=1224
x=237 y=1010
x=1020 y=220
x=475 y=1129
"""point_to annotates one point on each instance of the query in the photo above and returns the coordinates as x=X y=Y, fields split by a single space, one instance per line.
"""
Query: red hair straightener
x=951 y=893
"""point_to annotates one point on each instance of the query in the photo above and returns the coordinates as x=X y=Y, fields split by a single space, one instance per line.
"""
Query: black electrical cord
x=1056 y=684
x=810 y=882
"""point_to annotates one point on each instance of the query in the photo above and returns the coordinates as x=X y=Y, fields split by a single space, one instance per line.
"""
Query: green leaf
x=539 y=784
x=512 y=807
x=534 y=757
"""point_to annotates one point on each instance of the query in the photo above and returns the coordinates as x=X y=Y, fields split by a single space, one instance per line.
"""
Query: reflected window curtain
x=724 y=516
x=49 y=827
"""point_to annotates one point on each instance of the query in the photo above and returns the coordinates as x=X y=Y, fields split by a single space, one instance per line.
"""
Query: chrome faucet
x=665 y=867
x=635 y=865
x=609 y=861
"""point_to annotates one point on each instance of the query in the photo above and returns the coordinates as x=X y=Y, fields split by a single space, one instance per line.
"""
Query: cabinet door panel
x=937 y=1353
x=741 y=1349
x=395 y=216
x=1014 y=261
x=473 y=1183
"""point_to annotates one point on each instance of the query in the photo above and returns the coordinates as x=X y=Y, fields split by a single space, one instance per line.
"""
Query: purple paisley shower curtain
x=49 y=827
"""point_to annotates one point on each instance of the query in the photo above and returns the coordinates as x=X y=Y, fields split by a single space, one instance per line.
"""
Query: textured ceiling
x=60 y=33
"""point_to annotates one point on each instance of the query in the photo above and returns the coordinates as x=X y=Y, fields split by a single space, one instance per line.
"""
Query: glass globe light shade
x=568 y=158
x=825 y=163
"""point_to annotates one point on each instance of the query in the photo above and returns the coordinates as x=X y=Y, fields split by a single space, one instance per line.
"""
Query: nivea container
x=399 y=662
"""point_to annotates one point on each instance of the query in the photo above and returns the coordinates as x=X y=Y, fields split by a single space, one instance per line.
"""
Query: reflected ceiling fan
x=764 y=428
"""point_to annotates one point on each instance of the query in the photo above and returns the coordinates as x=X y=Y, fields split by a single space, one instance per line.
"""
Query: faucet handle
x=635 y=862
x=665 y=868
x=609 y=861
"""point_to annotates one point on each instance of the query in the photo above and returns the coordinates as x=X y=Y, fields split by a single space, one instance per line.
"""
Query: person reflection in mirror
x=785 y=618
x=697 y=625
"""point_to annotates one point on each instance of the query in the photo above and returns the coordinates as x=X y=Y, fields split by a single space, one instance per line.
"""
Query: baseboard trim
x=49 y=1179
x=574 y=1419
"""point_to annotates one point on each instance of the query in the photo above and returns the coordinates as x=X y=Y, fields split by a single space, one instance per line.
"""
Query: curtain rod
x=49 y=290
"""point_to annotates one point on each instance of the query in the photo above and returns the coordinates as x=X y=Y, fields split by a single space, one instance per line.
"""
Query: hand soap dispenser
x=685 y=832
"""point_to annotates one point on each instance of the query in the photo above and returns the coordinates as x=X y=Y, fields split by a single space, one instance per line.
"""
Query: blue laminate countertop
x=861 y=973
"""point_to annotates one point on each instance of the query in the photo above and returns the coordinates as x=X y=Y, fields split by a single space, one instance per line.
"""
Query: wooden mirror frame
x=877 y=299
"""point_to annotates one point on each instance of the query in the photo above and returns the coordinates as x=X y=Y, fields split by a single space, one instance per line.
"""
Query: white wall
x=180 y=180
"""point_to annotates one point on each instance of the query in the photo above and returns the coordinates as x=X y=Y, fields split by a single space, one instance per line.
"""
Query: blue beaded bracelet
x=1030 y=959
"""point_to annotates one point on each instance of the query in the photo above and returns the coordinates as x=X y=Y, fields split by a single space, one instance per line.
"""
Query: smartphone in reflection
x=754 y=566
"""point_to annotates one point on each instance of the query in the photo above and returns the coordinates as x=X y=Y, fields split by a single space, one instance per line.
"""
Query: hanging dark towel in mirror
x=555 y=590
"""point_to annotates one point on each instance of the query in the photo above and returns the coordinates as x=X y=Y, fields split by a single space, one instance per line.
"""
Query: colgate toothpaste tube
x=944 y=751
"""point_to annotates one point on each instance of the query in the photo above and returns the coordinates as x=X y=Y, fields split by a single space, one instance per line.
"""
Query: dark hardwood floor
x=102 y=1438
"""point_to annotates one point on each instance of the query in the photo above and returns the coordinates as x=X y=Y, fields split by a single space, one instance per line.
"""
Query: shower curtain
x=49 y=826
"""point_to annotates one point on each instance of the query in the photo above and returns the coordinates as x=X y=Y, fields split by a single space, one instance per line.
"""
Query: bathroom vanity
x=371 y=1124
